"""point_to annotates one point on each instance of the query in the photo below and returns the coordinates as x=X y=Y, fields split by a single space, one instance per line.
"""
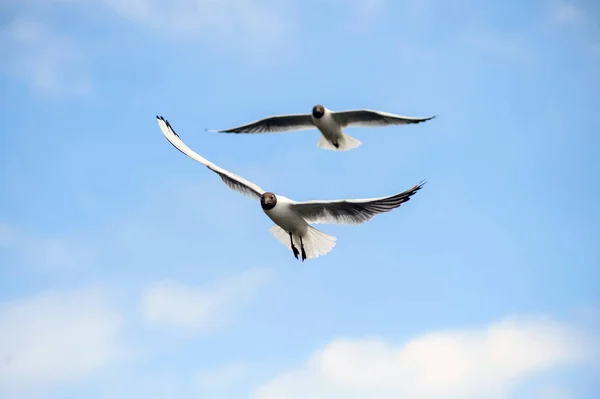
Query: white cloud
x=478 y=363
x=48 y=61
x=553 y=392
x=254 y=25
x=199 y=309
x=55 y=338
x=66 y=252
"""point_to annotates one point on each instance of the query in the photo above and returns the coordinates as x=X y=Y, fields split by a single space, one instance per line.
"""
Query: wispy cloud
x=564 y=12
x=64 y=252
x=197 y=309
x=252 y=25
x=553 y=392
x=576 y=16
x=504 y=46
x=364 y=12
x=55 y=338
x=53 y=64
x=359 y=16
x=467 y=364
x=49 y=62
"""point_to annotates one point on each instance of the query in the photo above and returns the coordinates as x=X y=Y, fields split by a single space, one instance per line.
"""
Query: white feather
x=345 y=143
x=316 y=243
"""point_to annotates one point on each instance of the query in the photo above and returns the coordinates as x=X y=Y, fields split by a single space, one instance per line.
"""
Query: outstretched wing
x=232 y=180
x=352 y=211
x=273 y=124
x=367 y=117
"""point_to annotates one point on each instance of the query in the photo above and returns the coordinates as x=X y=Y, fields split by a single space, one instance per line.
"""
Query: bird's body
x=293 y=219
x=294 y=232
x=283 y=215
x=329 y=123
x=330 y=129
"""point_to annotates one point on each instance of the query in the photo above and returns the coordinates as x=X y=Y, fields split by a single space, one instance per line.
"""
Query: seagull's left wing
x=232 y=180
x=352 y=211
x=274 y=124
x=367 y=117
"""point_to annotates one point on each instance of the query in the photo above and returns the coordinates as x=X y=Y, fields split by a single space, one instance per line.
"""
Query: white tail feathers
x=316 y=243
x=346 y=143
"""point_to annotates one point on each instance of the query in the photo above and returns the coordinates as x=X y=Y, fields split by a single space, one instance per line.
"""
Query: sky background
x=128 y=270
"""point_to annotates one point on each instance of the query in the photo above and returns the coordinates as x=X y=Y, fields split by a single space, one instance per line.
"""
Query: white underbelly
x=288 y=220
x=328 y=127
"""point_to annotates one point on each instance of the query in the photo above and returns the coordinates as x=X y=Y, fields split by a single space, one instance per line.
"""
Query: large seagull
x=292 y=219
x=330 y=124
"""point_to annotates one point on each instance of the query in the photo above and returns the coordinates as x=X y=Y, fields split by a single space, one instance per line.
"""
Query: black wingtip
x=168 y=124
x=421 y=120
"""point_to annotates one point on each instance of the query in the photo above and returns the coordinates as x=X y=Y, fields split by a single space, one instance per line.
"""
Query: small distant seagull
x=330 y=124
x=292 y=219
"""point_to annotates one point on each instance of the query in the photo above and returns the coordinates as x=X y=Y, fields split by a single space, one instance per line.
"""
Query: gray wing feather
x=273 y=124
x=367 y=117
x=355 y=211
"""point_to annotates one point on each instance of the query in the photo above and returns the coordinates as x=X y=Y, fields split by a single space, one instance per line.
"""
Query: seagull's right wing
x=352 y=211
x=232 y=180
x=368 y=117
x=273 y=124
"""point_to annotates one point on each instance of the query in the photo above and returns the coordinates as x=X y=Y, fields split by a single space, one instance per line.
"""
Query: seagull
x=330 y=124
x=293 y=219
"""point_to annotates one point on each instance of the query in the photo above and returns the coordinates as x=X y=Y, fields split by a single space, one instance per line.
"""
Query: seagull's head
x=318 y=111
x=268 y=201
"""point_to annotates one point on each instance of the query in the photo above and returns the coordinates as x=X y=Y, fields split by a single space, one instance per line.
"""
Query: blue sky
x=128 y=270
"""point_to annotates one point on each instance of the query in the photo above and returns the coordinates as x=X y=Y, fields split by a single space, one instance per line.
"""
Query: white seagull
x=330 y=124
x=292 y=219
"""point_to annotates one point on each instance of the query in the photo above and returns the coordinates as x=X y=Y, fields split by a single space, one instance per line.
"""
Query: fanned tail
x=316 y=243
x=346 y=143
